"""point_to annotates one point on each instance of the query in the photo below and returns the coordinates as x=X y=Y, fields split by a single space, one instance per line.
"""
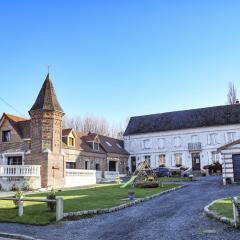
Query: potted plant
x=18 y=195
x=131 y=194
x=51 y=196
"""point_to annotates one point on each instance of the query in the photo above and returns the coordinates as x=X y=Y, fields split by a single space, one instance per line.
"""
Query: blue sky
x=119 y=58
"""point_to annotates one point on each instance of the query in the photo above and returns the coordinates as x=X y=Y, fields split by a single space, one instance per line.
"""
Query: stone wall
x=17 y=144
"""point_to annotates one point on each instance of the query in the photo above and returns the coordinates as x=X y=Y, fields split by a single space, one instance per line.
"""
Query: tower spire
x=47 y=99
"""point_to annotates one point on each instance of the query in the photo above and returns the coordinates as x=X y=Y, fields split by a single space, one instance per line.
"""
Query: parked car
x=162 y=171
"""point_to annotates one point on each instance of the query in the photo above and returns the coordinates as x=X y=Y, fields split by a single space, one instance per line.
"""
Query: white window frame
x=194 y=139
x=161 y=143
x=231 y=136
x=147 y=144
x=162 y=156
x=177 y=142
x=176 y=155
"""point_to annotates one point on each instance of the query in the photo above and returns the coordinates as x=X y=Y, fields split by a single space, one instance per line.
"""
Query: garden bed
x=175 y=179
x=74 y=200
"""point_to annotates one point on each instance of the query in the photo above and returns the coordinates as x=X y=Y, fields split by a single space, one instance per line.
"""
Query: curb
x=122 y=206
x=17 y=236
x=217 y=216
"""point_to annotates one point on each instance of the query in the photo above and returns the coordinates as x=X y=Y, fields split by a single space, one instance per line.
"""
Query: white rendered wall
x=134 y=144
x=79 y=177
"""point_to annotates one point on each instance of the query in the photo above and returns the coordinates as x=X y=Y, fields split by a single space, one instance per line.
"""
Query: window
x=94 y=146
x=162 y=159
x=177 y=141
x=6 y=136
x=109 y=144
x=231 y=137
x=148 y=159
x=178 y=159
x=70 y=165
x=161 y=143
x=215 y=157
x=97 y=166
x=71 y=141
x=146 y=144
x=194 y=139
x=86 y=165
x=212 y=139
x=16 y=160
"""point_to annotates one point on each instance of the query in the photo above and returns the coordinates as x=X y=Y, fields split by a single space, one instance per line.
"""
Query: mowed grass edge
x=74 y=200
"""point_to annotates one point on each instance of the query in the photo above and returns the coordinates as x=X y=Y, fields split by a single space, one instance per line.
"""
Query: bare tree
x=95 y=124
x=232 y=94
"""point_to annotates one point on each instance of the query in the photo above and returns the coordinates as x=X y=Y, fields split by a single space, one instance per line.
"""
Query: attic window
x=119 y=146
x=109 y=144
x=71 y=141
x=94 y=146
x=6 y=136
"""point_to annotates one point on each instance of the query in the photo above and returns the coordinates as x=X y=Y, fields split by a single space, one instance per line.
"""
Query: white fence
x=20 y=170
x=79 y=177
x=110 y=175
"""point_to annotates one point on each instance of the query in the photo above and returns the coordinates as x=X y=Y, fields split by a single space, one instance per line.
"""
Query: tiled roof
x=47 y=99
x=194 y=118
x=65 y=132
x=106 y=144
x=21 y=125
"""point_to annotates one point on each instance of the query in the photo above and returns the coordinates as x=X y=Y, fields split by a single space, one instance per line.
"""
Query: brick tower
x=46 y=136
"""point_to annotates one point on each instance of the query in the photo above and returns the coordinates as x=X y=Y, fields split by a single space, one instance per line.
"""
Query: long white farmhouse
x=189 y=138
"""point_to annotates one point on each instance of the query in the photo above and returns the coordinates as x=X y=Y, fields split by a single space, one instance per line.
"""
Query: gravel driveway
x=177 y=215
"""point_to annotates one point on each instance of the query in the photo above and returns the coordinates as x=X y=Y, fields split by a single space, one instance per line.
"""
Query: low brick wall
x=117 y=208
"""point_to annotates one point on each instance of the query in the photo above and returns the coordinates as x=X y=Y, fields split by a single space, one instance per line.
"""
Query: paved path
x=177 y=215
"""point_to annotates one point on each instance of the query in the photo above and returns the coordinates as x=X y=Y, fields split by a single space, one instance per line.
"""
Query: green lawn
x=175 y=179
x=74 y=200
x=223 y=207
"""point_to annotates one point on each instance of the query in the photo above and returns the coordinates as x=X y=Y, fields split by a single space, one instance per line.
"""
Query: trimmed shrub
x=51 y=205
x=147 y=184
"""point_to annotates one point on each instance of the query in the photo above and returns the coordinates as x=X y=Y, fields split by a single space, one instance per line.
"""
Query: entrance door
x=236 y=167
x=133 y=164
x=112 y=166
x=196 y=161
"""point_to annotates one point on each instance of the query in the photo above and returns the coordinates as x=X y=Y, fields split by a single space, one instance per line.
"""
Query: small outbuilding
x=230 y=154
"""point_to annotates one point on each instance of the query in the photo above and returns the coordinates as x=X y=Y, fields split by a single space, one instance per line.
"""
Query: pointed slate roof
x=47 y=99
x=193 y=118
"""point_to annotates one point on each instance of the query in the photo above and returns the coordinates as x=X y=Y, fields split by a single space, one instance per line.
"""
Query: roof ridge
x=186 y=110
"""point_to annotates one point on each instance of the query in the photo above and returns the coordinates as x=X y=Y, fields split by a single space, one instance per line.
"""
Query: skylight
x=109 y=144
x=119 y=145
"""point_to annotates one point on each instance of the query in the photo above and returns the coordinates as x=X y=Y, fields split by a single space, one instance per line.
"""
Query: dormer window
x=94 y=146
x=6 y=136
x=71 y=141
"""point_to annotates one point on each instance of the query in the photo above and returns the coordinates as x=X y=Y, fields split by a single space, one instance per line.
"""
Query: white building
x=189 y=138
